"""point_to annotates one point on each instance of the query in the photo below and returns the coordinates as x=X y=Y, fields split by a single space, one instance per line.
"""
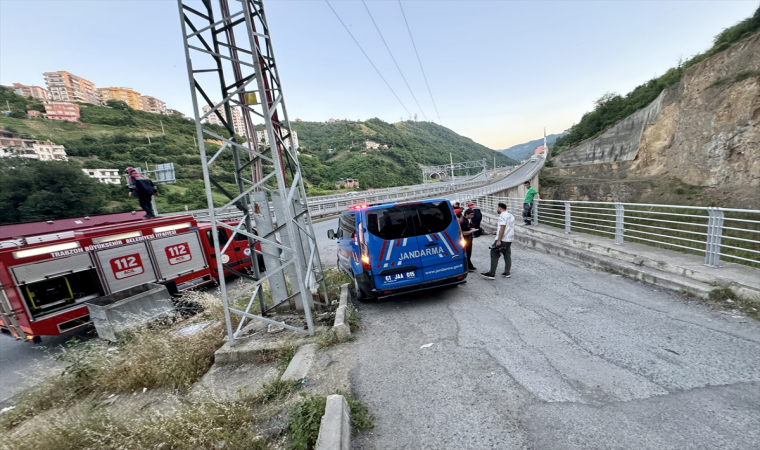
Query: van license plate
x=399 y=277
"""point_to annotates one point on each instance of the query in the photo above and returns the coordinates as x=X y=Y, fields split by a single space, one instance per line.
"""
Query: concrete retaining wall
x=619 y=143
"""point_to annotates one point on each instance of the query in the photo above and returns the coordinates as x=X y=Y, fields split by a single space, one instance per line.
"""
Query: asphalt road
x=24 y=363
x=558 y=356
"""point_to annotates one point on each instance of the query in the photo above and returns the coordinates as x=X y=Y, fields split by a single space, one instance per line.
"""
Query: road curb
x=341 y=328
x=335 y=427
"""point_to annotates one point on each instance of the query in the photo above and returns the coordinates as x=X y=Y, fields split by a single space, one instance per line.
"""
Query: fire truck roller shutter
x=30 y=273
x=178 y=255
x=126 y=266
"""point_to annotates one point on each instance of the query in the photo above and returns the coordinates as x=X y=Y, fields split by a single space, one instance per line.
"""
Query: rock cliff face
x=703 y=132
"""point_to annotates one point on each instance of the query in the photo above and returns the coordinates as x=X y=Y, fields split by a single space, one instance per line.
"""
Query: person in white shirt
x=505 y=234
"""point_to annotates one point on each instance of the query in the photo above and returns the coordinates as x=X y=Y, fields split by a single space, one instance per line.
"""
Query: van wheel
x=360 y=295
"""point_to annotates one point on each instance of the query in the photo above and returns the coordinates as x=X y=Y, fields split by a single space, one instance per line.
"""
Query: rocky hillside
x=697 y=143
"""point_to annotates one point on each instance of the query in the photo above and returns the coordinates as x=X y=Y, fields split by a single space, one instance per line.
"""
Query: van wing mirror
x=331 y=233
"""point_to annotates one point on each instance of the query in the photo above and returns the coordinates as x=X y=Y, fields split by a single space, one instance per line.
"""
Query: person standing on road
x=467 y=233
x=530 y=193
x=143 y=188
x=476 y=219
x=502 y=246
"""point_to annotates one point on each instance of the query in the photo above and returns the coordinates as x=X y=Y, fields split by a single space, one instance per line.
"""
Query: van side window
x=430 y=217
x=223 y=237
x=242 y=237
x=409 y=220
x=390 y=223
x=347 y=225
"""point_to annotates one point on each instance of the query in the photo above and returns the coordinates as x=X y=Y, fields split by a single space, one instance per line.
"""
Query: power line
x=420 y=61
x=368 y=58
x=394 y=59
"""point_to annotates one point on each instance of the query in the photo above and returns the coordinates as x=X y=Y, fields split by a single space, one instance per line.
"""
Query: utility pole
x=451 y=160
x=162 y=127
x=148 y=136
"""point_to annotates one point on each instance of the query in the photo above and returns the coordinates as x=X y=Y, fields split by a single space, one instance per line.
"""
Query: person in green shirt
x=530 y=193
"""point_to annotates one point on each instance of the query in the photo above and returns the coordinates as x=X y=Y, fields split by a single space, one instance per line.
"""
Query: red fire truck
x=49 y=269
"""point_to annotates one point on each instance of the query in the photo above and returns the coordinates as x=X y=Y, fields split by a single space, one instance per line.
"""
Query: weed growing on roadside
x=334 y=278
x=727 y=298
x=360 y=417
x=354 y=321
x=327 y=338
x=305 y=419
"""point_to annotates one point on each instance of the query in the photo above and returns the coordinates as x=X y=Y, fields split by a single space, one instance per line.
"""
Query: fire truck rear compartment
x=54 y=294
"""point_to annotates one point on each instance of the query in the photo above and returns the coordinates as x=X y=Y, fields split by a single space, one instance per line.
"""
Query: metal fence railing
x=715 y=233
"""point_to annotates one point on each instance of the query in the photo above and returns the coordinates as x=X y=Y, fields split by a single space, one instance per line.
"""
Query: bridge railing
x=716 y=233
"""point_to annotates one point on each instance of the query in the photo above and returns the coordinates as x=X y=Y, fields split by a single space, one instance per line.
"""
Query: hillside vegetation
x=118 y=137
x=409 y=145
x=612 y=108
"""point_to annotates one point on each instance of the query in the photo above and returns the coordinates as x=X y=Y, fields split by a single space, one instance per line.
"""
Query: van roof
x=374 y=206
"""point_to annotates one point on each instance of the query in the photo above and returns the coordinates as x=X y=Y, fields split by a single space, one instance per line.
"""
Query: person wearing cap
x=143 y=188
x=476 y=219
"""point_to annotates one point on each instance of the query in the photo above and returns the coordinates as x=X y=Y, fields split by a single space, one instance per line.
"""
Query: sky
x=499 y=71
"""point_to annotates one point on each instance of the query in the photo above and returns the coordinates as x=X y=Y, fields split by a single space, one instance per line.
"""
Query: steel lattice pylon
x=230 y=57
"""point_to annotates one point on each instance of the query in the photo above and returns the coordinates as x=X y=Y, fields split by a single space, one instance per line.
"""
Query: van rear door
x=438 y=239
x=394 y=252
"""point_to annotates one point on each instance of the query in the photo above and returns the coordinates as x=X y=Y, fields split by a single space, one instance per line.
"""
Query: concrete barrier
x=341 y=327
x=335 y=427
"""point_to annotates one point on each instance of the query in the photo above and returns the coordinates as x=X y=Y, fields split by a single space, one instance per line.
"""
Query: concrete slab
x=249 y=350
x=335 y=427
x=301 y=363
x=224 y=383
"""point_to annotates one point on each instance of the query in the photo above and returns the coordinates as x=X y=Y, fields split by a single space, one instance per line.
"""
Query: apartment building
x=263 y=138
x=67 y=87
x=47 y=151
x=237 y=119
x=106 y=176
x=127 y=95
x=62 y=111
x=152 y=105
x=31 y=91
x=14 y=145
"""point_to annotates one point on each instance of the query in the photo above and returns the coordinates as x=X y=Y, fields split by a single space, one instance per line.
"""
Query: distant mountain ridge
x=523 y=151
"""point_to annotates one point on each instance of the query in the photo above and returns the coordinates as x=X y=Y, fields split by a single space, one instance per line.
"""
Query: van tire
x=359 y=293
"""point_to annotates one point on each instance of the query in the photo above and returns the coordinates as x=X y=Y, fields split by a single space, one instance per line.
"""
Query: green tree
x=33 y=190
x=118 y=104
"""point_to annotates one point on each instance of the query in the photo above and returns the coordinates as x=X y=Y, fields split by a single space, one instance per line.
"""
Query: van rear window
x=397 y=222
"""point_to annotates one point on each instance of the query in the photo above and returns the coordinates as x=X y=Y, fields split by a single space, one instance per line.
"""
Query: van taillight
x=364 y=249
x=365 y=258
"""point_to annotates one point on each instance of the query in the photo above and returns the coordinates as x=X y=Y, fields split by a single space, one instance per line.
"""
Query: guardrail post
x=567 y=217
x=714 y=236
x=619 y=223
x=535 y=213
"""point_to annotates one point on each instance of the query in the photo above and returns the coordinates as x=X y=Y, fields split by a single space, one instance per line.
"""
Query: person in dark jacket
x=476 y=219
x=467 y=232
x=143 y=188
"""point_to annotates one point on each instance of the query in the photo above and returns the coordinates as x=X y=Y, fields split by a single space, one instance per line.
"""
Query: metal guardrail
x=717 y=233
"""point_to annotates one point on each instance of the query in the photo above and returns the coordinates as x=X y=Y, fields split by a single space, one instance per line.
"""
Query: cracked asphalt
x=556 y=357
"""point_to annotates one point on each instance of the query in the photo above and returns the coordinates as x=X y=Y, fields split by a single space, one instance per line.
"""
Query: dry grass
x=147 y=358
x=68 y=411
